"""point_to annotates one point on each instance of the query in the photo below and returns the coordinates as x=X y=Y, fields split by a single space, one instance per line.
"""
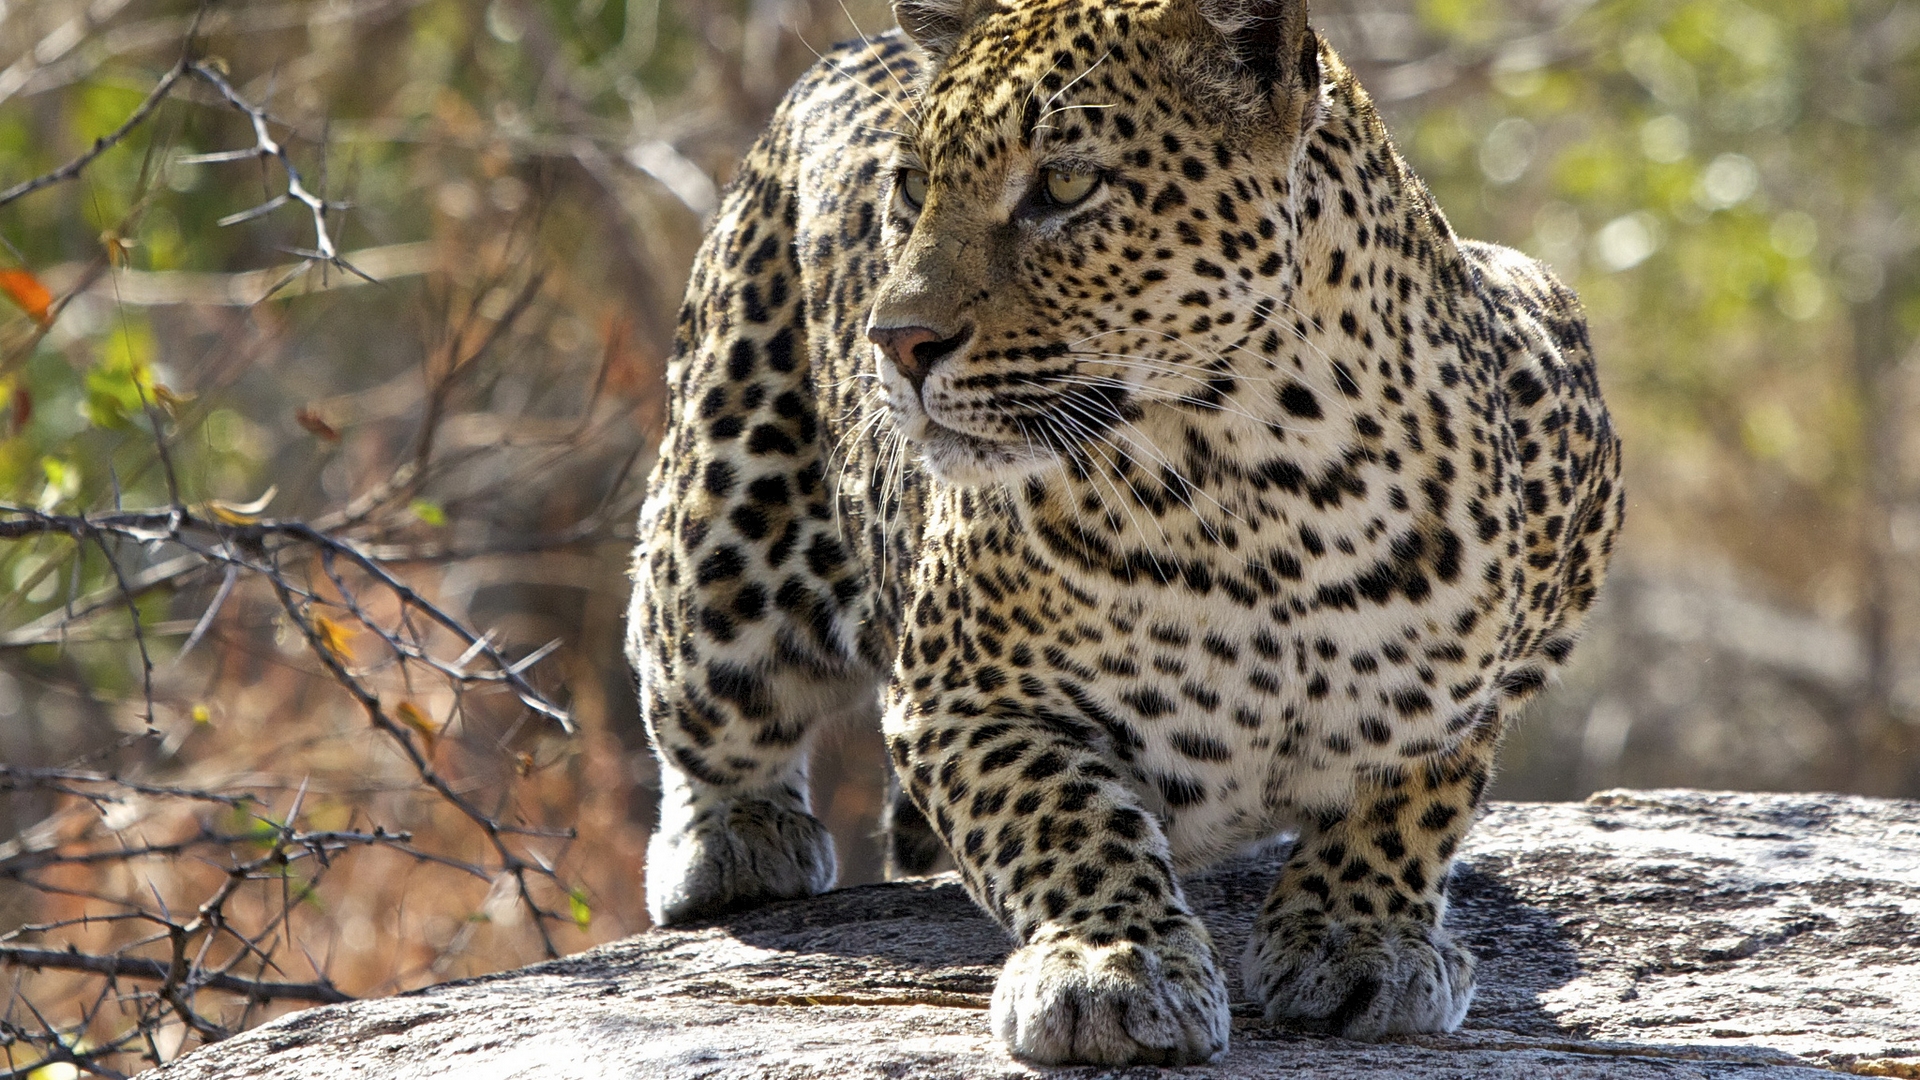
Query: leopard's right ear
x=936 y=25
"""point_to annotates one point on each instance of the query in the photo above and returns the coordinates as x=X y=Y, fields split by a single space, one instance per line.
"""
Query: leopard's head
x=1087 y=218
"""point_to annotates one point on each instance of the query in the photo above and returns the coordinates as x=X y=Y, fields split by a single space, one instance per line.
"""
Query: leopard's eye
x=913 y=187
x=1068 y=187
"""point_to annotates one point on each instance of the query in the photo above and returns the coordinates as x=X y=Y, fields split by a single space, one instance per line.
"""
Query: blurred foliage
x=1734 y=190
x=1727 y=185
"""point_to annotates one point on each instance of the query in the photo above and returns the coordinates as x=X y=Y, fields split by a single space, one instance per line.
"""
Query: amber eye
x=1068 y=187
x=913 y=187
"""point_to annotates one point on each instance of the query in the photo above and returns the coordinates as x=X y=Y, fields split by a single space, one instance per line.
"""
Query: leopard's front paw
x=736 y=855
x=1360 y=979
x=1061 y=1000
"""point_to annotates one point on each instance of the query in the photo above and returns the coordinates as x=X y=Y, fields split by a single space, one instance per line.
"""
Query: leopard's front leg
x=1113 y=967
x=1351 y=937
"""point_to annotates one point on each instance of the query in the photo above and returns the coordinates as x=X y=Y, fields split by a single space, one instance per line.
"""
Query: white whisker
x=1047 y=109
x=1161 y=393
x=875 y=54
x=1149 y=449
x=850 y=77
x=1092 y=440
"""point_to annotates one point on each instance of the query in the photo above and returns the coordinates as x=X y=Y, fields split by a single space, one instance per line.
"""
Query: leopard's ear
x=1267 y=43
x=1270 y=38
x=936 y=25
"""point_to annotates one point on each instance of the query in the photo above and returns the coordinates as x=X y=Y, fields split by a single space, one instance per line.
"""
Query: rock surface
x=1640 y=934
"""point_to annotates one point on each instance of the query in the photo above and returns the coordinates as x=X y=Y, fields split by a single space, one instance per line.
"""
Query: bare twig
x=266 y=146
x=180 y=525
x=15 y=778
x=139 y=968
x=101 y=145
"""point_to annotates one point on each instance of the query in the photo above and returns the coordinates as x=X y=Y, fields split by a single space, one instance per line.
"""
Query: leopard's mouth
x=962 y=458
x=929 y=431
x=938 y=438
x=1028 y=438
x=1022 y=437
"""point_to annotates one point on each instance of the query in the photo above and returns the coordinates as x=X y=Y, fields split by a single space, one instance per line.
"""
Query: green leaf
x=63 y=483
x=121 y=384
x=578 y=906
x=429 y=512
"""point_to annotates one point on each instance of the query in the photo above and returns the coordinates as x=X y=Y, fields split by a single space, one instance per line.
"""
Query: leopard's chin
x=964 y=460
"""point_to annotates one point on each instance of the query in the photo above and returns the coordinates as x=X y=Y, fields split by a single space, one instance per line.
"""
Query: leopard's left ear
x=1271 y=43
x=936 y=25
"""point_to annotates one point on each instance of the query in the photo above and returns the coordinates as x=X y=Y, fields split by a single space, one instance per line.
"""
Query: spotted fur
x=1234 y=497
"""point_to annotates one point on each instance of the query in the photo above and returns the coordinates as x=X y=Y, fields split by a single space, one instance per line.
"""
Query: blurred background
x=1733 y=187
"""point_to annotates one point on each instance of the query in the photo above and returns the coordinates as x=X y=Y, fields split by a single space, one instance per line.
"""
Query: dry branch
x=153 y=970
x=101 y=145
x=171 y=910
x=254 y=545
x=221 y=538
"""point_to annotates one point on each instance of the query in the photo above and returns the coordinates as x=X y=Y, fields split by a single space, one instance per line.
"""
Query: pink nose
x=899 y=343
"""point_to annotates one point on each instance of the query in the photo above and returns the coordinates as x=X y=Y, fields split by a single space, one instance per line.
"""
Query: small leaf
x=22 y=408
x=259 y=830
x=316 y=424
x=171 y=399
x=429 y=512
x=336 y=639
x=247 y=513
x=63 y=483
x=577 y=905
x=119 y=248
x=202 y=714
x=120 y=384
x=411 y=715
x=25 y=290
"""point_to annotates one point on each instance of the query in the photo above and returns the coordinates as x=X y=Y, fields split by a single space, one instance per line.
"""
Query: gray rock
x=1640 y=934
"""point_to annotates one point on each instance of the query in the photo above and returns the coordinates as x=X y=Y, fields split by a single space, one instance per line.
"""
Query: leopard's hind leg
x=746 y=630
x=912 y=845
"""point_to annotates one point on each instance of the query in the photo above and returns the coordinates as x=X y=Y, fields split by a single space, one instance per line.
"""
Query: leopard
x=1091 y=391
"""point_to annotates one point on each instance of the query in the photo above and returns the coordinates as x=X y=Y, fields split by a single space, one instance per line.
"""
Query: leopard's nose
x=915 y=349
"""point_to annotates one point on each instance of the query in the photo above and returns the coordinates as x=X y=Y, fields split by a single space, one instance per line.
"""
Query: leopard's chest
x=1233 y=702
x=1228 y=726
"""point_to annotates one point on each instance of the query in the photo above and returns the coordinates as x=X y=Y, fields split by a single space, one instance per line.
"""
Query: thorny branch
x=194 y=946
x=161 y=91
x=206 y=951
x=154 y=971
x=255 y=545
x=321 y=579
x=265 y=146
x=251 y=545
x=169 y=905
x=328 y=585
x=70 y=781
